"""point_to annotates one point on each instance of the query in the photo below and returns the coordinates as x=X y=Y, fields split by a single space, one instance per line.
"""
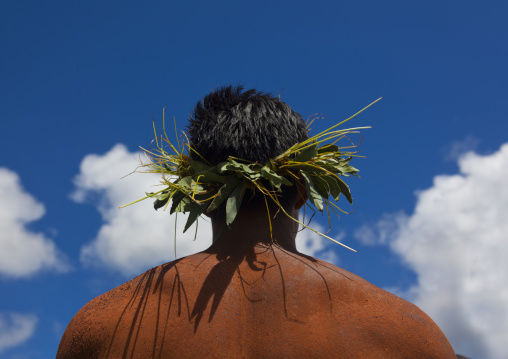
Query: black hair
x=251 y=125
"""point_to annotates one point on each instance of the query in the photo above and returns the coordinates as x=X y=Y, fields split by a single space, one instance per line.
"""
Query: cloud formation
x=458 y=148
x=22 y=252
x=456 y=242
x=317 y=246
x=137 y=237
x=15 y=329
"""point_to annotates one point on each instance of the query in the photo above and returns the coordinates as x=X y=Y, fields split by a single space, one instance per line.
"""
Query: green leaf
x=325 y=161
x=185 y=182
x=274 y=178
x=177 y=197
x=307 y=154
x=327 y=149
x=234 y=202
x=198 y=166
x=243 y=167
x=306 y=168
x=184 y=205
x=160 y=196
x=312 y=192
x=321 y=186
x=349 y=170
x=252 y=175
x=211 y=176
x=226 y=166
x=195 y=210
x=239 y=168
x=333 y=186
x=160 y=203
x=224 y=192
x=325 y=167
x=343 y=167
x=232 y=165
x=197 y=188
x=344 y=189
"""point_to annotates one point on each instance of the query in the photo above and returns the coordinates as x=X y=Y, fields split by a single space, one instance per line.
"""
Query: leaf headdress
x=192 y=185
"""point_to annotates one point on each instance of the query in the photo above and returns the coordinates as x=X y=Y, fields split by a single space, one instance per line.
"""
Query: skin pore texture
x=249 y=297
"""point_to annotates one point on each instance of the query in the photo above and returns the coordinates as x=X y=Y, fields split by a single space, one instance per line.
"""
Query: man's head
x=251 y=125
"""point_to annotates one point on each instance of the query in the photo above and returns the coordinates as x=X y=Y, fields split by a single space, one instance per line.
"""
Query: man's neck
x=251 y=228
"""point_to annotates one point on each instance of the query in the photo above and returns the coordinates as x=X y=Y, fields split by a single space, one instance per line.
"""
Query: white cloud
x=314 y=245
x=458 y=148
x=137 y=237
x=385 y=229
x=15 y=329
x=456 y=241
x=22 y=252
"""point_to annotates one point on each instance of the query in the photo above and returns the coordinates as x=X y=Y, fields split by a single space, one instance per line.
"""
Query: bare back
x=270 y=303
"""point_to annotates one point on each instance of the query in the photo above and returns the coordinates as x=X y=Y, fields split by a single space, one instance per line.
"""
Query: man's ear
x=302 y=196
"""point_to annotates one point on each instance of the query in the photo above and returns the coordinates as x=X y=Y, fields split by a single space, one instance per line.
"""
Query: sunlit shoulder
x=267 y=302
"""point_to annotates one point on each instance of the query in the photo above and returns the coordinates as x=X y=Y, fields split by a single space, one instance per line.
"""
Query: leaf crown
x=195 y=186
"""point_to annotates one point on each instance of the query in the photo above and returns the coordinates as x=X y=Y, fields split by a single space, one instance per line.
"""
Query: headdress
x=192 y=185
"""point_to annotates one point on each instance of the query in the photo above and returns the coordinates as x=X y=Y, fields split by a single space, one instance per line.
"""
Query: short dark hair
x=251 y=125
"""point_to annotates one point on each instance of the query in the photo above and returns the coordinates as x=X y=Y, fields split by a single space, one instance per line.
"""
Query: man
x=251 y=294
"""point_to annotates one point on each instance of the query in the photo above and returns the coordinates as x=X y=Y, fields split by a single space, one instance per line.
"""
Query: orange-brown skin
x=263 y=302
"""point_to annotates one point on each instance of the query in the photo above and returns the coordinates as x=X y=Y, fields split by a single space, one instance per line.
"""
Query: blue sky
x=79 y=83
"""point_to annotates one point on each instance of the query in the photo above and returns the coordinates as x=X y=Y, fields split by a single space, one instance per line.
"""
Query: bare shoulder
x=89 y=332
x=171 y=310
x=380 y=319
x=109 y=323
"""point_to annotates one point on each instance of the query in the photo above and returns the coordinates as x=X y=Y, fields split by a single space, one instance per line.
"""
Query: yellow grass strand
x=269 y=219
x=176 y=215
x=139 y=200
